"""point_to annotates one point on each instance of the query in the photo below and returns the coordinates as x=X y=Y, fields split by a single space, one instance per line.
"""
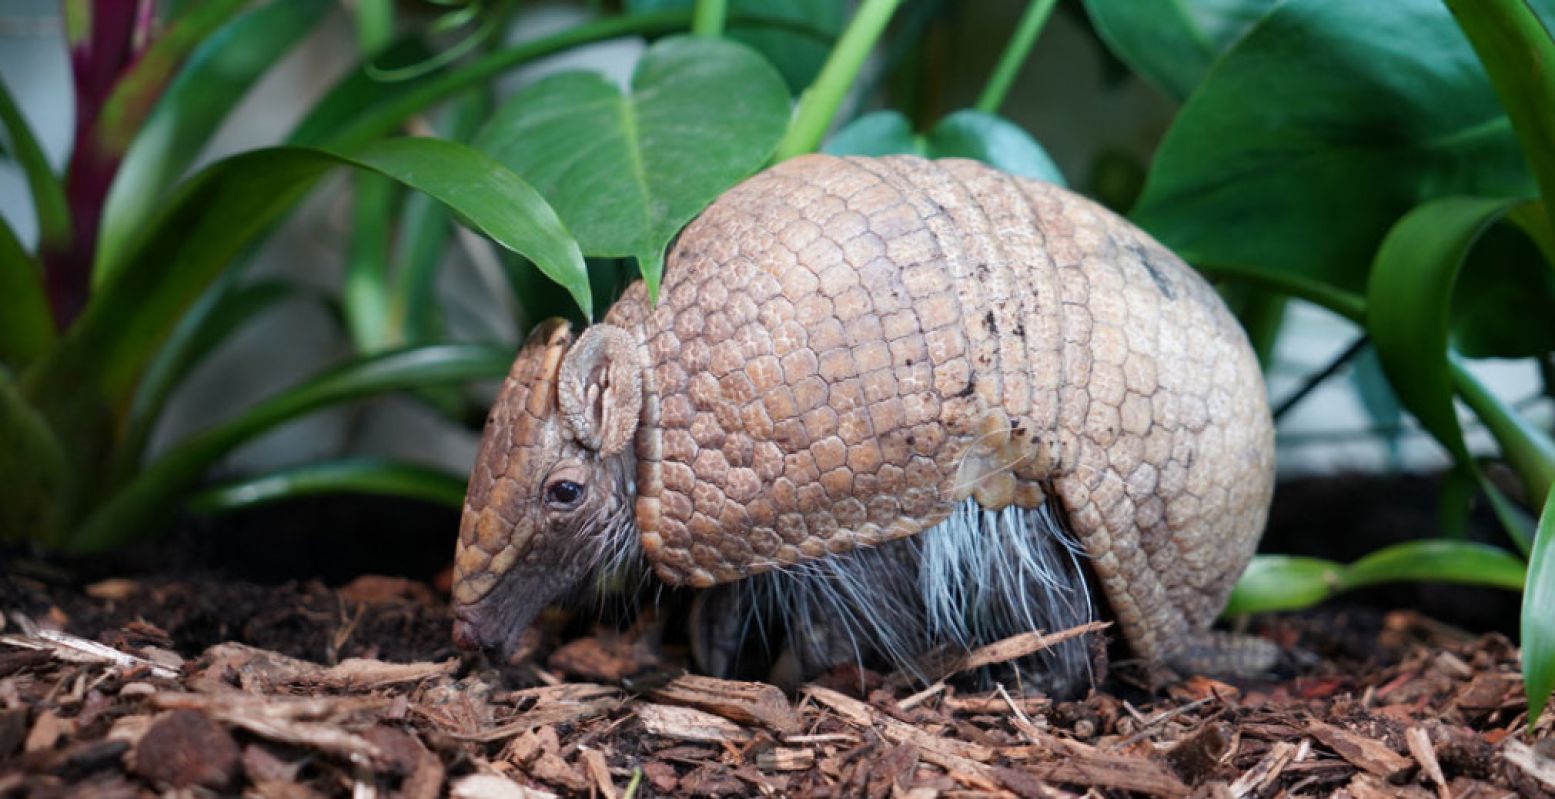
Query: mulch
x=209 y=688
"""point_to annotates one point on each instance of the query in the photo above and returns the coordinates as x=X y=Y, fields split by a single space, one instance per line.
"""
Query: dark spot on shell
x=1020 y=329
x=910 y=440
x=966 y=392
x=1147 y=259
x=990 y=323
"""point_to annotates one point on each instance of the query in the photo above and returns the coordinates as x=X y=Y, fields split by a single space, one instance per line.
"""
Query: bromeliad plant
x=1394 y=178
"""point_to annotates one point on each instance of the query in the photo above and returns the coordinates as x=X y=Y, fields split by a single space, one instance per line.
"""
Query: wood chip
x=1367 y=754
x=743 y=702
x=599 y=771
x=1019 y=646
x=492 y=786
x=1074 y=763
x=786 y=759
x=1425 y=754
x=1538 y=767
x=75 y=649
x=895 y=730
x=689 y=724
x=1261 y=776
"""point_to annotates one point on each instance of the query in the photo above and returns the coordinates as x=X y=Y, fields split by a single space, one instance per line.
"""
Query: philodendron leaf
x=217 y=75
x=1282 y=582
x=969 y=133
x=626 y=172
x=154 y=490
x=1321 y=126
x=1173 y=43
x=1506 y=284
x=222 y=209
x=1538 y=623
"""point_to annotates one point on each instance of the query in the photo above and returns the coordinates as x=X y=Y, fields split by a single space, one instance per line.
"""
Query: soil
x=207 y=665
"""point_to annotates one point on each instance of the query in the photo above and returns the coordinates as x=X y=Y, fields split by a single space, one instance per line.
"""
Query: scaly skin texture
x=846 y=349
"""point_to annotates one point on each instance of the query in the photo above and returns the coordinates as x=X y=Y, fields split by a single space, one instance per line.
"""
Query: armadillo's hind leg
x=1224 y=654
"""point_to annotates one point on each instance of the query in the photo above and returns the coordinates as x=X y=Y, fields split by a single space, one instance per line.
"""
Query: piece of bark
x=543 y=715
x=689 y=724
x=1370 y=786
x=551 y=768
x=743 y=702
x=493 y=786
x=13 y=730
x=662 y=776
x=1424 y=752
x=1527 y=760
x=1263 y=775
x=47 y=730
x=1367 y=754
x=895 y=730
x=1077 y=764
x=1019 y=646
x=186 y=749
x=599 y=771
x=786 y=759
x=1197 y=757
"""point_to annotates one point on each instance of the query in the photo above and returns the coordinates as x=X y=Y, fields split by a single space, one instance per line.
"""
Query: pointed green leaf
x=34 y=482
x=1538 y=622
x=1282 y=582
x=151 y=495
x=48 y=195
x=26 y=324
x=1409 y=305
x=795 y=35
x=1517 y=51
x=217 y=75
x=626 y=172
x=349 y=476
x=1173 y=43
x=1437 y=560
x=1320 y=127
x=221 y=210
x=968 y=133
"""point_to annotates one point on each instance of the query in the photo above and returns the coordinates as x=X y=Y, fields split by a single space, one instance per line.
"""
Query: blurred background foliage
x=1381 y=168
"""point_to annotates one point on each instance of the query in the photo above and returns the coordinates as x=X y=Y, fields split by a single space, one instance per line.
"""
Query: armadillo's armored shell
x=846 y=348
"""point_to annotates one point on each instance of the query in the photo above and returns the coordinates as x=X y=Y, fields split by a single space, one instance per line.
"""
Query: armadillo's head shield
x=549 y=497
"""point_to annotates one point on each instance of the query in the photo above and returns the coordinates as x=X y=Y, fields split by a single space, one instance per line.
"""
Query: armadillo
x=921 y=402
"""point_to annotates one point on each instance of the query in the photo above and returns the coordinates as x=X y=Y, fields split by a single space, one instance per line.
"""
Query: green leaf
x=968 y=133
x=1538 y=622
x=1517 y=51
x=795 y=35
x=135 y=93
x=48 y=196
x=1320 y=127
x=150 y=496
x=218 y=313
x=626 y=172
x=221 y=210
x=34 y=483
x=1282 y=582
x=217 y=75
x=1437 y=560
x=26 y=325
x=1409 y=302
x=359 y=93
x=344 y=127
x=1173 y=43
x=1505 y=284
x=366 y=296
x=349 y=476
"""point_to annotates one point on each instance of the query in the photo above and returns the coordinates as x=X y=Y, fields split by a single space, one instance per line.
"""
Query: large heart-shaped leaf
x=1321 y=126
x=626 y=171
x=969 y=133
x=1173 y=43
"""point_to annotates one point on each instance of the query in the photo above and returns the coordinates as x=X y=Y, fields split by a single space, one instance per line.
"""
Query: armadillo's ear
x=601 y=389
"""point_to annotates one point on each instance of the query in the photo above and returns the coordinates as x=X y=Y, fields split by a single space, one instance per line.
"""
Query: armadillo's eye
x=563 y=494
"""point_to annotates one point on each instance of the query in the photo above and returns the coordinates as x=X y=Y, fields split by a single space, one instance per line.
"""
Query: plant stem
x=1526 y=448
x=820 y=102
x=1318 y=378
x=1031 y=24
x=709 y=17
x=383 y=119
